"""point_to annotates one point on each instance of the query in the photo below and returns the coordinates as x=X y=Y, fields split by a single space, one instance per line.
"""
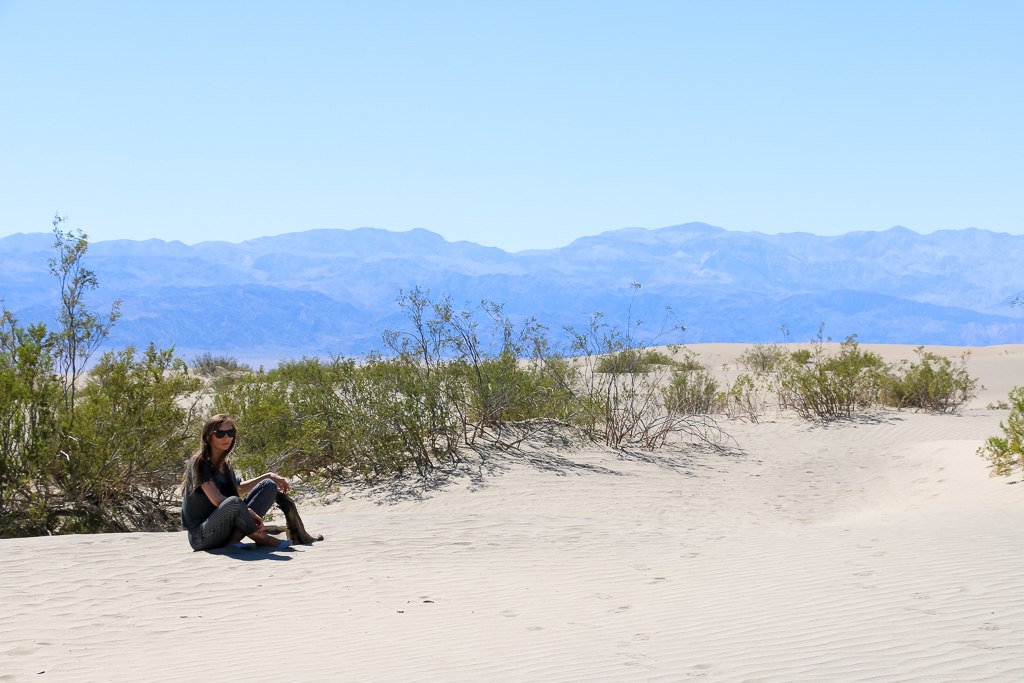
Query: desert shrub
x=96 y=451
x=762 y=358
x=120 y=441
x=414 y=412
x=801 y=356
x=426 y=385
x=833 y=386
x=693 y=392
x=628 y=408
x=30 y=404
x=79 y=331
x=747 y=397
x=136 y=423
x=259 y=406
x=1006 y=452
x=336 y=419
x=509 y=375
x=210 y=365
x=633 y=361
x=934 y=384
x=107 y=462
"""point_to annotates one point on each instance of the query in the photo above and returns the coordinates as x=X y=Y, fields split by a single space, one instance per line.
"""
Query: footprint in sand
x=620 y=610
x=510 y=613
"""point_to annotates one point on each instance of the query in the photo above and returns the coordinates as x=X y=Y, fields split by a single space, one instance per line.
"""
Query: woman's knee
x=232 y=503
x=268 y=484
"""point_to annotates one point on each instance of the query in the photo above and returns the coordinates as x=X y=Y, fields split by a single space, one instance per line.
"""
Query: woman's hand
x=256 y=518
x=282 y=483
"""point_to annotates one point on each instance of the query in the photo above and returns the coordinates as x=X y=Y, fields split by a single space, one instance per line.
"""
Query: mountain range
x=333 y=291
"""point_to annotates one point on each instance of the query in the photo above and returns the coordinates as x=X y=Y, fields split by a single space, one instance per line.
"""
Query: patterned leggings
x=233 y=514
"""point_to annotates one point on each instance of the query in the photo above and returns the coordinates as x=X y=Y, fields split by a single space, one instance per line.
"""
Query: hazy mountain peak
x=895 y=285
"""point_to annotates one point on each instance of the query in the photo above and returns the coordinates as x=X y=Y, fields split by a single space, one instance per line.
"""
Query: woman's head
x=218 y=436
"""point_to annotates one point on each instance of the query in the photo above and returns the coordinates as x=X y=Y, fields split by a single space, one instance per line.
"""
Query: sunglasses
x=221 y=433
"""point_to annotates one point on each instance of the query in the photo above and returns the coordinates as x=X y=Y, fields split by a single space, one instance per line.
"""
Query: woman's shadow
x=252 y=552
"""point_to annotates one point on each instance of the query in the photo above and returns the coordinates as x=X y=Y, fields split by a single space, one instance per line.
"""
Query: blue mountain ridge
x=333 y=291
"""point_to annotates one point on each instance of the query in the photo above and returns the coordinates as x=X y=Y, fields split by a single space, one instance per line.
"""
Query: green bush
x=746 y=398
x=693 y=392
x=933 y=384
x=634 y=361
x=337 y=419
x=136 y=423
x=833 y=386
x=96 y=451
x=510 y=376
x=629 y=404
x=331 y=420
x=1006 y=452
x=30 y=403
x=801 y=356
x=762 y=358
x=210 y=365
x=111 y=462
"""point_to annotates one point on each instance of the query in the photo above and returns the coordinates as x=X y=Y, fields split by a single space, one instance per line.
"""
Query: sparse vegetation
x=210 y=365
x=693 y=392
x=86 y=451
x=762 y=358
x=134 y=428
x=934 y=384
x=819 y=385
x=1006 y=452
x=633 y=361
x=833 y=386
x=102 y=450
x=746 y=398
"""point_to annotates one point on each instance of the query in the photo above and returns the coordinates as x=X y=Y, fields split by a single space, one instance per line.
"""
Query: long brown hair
x=205 y=453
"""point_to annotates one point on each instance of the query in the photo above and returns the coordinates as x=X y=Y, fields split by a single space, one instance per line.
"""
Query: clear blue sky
x=517 y=124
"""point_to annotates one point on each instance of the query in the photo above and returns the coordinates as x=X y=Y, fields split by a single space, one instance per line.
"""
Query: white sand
x=870 y=550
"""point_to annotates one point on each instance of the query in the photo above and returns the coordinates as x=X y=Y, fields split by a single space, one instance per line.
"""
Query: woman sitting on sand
x=211 y=510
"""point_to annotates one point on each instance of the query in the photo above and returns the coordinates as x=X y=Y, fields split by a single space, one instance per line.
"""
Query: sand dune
x=878 y=549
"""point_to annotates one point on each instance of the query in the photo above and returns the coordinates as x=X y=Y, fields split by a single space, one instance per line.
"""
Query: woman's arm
x=246 y=486
x=213 y=493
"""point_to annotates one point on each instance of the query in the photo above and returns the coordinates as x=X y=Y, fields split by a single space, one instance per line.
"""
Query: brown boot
x=296 y=531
